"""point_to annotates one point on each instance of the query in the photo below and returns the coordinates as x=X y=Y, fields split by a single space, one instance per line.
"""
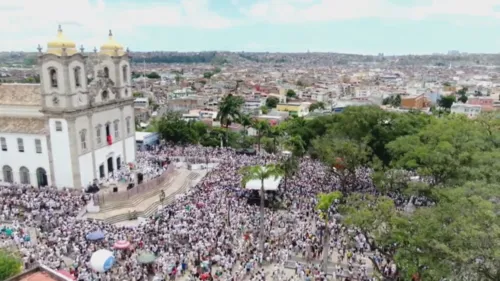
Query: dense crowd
x=211 y=232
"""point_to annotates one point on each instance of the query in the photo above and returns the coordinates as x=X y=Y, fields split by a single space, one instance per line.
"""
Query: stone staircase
x=153 y=207
x=137 y=199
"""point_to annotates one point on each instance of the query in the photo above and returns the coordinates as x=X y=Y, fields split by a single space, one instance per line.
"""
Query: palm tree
x=324 y=205
x=245 y=121
x=260 y=173
x=296 y=145
x=229 y=111
x=289 y=166
x=262 y=128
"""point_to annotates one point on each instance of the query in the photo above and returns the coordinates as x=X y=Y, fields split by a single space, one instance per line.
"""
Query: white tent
x=270 y=184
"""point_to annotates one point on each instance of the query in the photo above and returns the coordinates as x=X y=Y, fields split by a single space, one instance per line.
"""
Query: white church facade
x=77 y=125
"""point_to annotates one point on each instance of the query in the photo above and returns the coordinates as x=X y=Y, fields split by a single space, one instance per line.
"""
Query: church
x=77 y=125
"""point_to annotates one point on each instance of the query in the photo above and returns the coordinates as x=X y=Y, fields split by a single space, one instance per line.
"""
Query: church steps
x=138 y=198
x=151 y=210
x=122 y=214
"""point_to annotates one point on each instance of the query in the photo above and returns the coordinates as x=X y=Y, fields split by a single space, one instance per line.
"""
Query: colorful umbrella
x=96 y=235
x=121 y=245
x=146 y=258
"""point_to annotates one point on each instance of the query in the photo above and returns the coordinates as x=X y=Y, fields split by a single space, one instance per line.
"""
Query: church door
x=118 y=163
x=110 y=165
x=101 y=171
x=41 y=177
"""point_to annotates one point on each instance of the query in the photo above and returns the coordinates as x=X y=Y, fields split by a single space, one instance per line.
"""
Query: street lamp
x=162 y=198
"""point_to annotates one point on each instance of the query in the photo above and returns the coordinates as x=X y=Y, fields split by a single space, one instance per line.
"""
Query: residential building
x=470 y=110
x=486 y=103
x=414 y=102
x=294 y=109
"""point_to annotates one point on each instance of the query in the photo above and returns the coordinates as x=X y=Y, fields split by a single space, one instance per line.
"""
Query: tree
x=174 y=129
x=245 y=121
x=10 y=264
x=272 y=102
x=447 y=84
x=463 y=98
x=324 y=205
x=317 y=105
x=289 y=166
x=442 y=152
x=264 y=109
x=291 y=94
x=229 y=110
x=260 y=173
x=376 y=218
x=208 y=75
x=153 y=75
x=447 y=101
x=394 y=101
x=343 y=157
x=262 y=127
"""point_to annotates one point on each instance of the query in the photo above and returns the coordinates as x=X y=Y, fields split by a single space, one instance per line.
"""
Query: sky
x=392 y=27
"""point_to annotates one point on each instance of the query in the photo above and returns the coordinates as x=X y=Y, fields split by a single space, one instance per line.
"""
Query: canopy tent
x=270 y=184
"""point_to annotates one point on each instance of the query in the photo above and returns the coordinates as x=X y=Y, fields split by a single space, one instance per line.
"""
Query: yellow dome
x=56 y=46
x=112 y=48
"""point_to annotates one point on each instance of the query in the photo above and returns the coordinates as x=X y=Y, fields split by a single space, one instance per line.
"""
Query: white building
x=71 y=128
x=470 y=110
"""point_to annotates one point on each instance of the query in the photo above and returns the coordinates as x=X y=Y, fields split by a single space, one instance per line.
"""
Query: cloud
x=24 y=22
x=299 y=11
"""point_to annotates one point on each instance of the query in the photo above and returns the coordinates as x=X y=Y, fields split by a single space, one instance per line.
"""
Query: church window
x=20 y=144
x=117 y=130
x=53 y=77
x=3 y=143
x=58 y=126
x=24 y=174
x=104 y=95
x=108 y=132
x=98 y=134
x=38 y=146
x=128 y=125
x=77 y=71
x=106 y=72
x=124 y=73
x=83 y=139
x=7 y=174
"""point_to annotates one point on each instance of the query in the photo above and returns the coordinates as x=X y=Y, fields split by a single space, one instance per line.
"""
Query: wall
x=86 y=164
x=29 y=158
x=61 y=155
x=130 y=149
x=101 y=156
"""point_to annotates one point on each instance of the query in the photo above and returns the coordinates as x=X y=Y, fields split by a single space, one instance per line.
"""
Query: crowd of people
x=208 y=233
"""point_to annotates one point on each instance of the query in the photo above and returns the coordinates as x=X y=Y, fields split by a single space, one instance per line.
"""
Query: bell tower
x=114 y=64
x=62 y=74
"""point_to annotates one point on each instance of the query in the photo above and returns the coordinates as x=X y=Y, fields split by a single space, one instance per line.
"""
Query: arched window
x=77 y=71
x=7 y=174
x=106 y=72
x=117 y=130
x=53 y=77
x=98 y=130
x=124 y=73
x=24 y=174
x=83 y=139
x=104 y=95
